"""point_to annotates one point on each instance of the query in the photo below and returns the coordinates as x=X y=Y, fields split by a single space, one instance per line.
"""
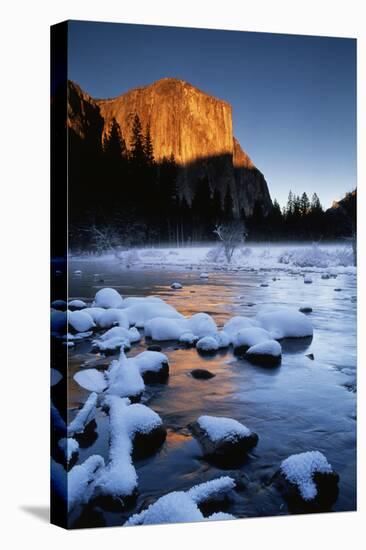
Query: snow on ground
x=220 y=428
x=299 y=469
x=307 y=257
x=182 y=506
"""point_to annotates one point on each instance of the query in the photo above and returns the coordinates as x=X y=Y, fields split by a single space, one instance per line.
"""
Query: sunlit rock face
x=193 y=126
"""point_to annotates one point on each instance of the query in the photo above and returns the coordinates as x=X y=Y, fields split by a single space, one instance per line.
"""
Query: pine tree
x=137 y=144
x=304 y=205
x=148 y=147
x=228 y=205
x=113 y=143
x=290 y=204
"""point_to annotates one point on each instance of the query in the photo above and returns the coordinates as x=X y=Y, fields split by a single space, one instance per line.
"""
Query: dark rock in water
x=176 y=286
x=156 y=376
x=325 y=276
x=327 y=493
x=154 y=347
x=88 y=436
x=250 y=304
x=112 y=503
x=202 y=374
x=263 y=284
x=146 y=444
x=263 y=359
x=60 y=305
x=337 y=290
x=310 y=355
x=229 y=453
x=305 y=309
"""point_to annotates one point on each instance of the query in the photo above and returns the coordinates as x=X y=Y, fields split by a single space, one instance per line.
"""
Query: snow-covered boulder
x=202 y=324
x=115 y=339
x=80 y=321
x=285 y=323
x=70 y=449
x=107 y=297
x=222 y=339
x=61 y=305
x=180 y=506
x=232 y=327
x=113 y=316
x=248 y=337
x=91 y=380
x=204 y=275
x=130 y=426
x=307 y=481
x=207 y=344
x=267 y=353
x=224 y=440
x=308 y=280
x=56 y=377
x=153 y=366
x=95 y=313
x=188 y=339
x=124 y=378
x=176 y=286
x=81 y=481
x=161 y=329
x=140 y=313
x=74 y=305
x=84 y=419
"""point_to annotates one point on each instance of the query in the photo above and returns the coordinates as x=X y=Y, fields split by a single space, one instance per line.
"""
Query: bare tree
x=106 y=239
x=231 y=234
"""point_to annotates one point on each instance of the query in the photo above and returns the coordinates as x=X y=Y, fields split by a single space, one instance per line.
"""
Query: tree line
x=118 y=192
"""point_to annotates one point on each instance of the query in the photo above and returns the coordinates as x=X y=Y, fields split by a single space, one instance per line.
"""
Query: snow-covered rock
x=207 y=344
x=56 y=377
x=124 y=378
x=285 y=323
x=222 y=339
x=142 y=312
x=59 y=304
x=182 y=506
x=308 y=280
x=202 y=324
x=113 y=316
x=176 y=286
x=223 y=440
x=95 y=313
x=161 y=329
x=70 y=448
x=232 y=327
x=107 y=297
x=204 y=275
x=76 y=304
x=84 y=417
x=116 y=338
x=80 y=321
x=267 y=353
x=248 y=337
x=188 y=339
x=307 y=479
x=81 y=480
x=130 y=425
x=91 y=380
x=153 y=366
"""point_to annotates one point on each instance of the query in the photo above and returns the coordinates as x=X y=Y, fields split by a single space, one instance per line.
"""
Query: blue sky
x=293 y=97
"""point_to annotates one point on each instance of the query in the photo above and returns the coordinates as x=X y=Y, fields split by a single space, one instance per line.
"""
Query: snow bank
x=80 y=321
x=81 y=480
x=107 y=297
x=285 y=323
x=84 y=416
x=179 y=506
x=299 y=469
x=220 y=428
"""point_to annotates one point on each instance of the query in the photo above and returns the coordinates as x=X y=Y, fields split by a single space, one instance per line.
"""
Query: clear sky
x=293 y=97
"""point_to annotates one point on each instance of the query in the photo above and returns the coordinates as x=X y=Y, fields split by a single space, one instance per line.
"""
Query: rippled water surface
x=302 y=405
